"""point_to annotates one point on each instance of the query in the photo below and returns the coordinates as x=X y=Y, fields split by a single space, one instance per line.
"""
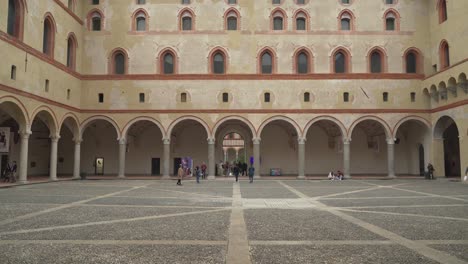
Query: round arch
x=279 y=118
x=73 y=125
x=326 y=118
x=386 y=127
x=143 y=118
x=50 y=119
x=236 y=118
x=442 y=123
x=88 y=121
x=194 y=118
x=17 y=111
x=418 y=119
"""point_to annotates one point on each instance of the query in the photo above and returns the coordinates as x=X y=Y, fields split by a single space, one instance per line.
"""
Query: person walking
x=236 y=172
x=430 y=171
x=251 y=173
x=180 y=175
x=198 y=173
x=203 y=170
x=13 y=171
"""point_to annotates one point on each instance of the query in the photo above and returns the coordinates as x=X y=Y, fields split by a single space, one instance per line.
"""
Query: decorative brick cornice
x=62 y=5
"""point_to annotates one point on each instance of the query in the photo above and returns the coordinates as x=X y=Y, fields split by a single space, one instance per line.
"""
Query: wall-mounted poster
x=4 y=139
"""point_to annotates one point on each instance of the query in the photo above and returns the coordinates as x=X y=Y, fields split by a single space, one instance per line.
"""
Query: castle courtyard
x=221 y=221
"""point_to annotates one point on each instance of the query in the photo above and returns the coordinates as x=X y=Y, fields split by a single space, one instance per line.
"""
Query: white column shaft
x=122 y=150
x=346 y=158
x=211 y=159
x=256 y=152
x=391 y=158
x=77 y=160
x=23 y=166
x=301 y=158
x=166 y=158
x=53 y=158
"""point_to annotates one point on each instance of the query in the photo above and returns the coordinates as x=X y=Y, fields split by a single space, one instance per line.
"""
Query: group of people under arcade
x=336 y=176
x=9 y=172
x=235 y=169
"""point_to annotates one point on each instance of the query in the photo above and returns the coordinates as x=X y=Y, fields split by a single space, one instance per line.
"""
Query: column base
x=391 y=177
x=76 y=178
x=301 y=177
x=53 y=179
x=211 y=177
x=166 y=177
x=22 y=182
x=121 y=177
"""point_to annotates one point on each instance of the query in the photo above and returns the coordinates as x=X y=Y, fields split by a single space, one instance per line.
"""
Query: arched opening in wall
x=233 y=145
x=100 y=148
x=301 y=20
x=12 y=123
x=278 y=149
x=446 y=129
x=71 y=52
x=69 y=133
x=444 y=54
x=278 y=20
x=232 y=17
x=369 y=149
x=48 y=38
x=71 y=5
x=188 y=144
x=266 y=62
x=341 y=61
x=442 y=90
x=187 y=22
x=140 y=21
x=15 y=24
x=118 y=62
x=462 y=83
x=324 y=148
x=144 y=149
x=95 y=20
x=442 y=8
x=411 y=139
x=41 y=140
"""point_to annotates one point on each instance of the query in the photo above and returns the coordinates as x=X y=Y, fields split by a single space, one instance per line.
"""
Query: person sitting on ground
x=331 y=175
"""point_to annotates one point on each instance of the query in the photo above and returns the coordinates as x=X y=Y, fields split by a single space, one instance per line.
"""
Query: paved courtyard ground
x=269 y=221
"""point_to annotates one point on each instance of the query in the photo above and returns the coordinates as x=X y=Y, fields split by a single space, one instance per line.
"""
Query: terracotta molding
x=335 y=32
x=311 y=76
x=62 y=5
x=446 y=69
x=232 y=111
x=21 y=45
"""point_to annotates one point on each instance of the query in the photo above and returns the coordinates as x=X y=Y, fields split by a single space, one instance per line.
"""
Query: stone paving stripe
x=238 y=246
x=420 y=248
x=343 y=193
x=116 y=242
x=443 y=242
x=373 y=198
x=402 y=214
x=402 y=206
x=296 y=192
x=190 y=193
x=26 y=216
x=433 y=195
x=321 y=242
x=150 y=206
x=110 y=222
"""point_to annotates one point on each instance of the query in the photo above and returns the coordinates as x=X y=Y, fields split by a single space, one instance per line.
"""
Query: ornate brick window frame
x=383 y=59
x=72 y=47
x=17 y=28
x=211 y=55
x=347 y=14
x=442 y=10
x=92 y=14
x=232 y=12
x=175 y=59
x=278 y=12
x=274 y=60
x=140 y=12
x=310 y=60
x=301 y=13
x=48 y=46
x=347 y=56
x=391 y=13
x=444 y=54
x=186 y=12
x=419 y=60
x=111 y=60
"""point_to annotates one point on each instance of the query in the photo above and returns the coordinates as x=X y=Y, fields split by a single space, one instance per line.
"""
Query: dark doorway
x=155 y=166
x=421 y=160
x=452 y=151
x=177 y=162
x=99 y=163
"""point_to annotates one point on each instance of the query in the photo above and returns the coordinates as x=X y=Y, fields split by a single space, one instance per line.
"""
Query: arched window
x=71 y=51
x=302 y=61
x=186 y=20
x=346 y=21
x=218 y=63
x=444 y=54
x=391 y=20
x=377 y=60
x=140 y=20
x=341 y=61
x=232 y=2
x=266 y=63
x=168 y=63
x=95 y=20
x=413 y=61
x=278 y=20
x=15 y=18
x=301 y=20
x=71 y=5
x=119 y=62
x=232 y=19
x=442 y=6
x=48 y=39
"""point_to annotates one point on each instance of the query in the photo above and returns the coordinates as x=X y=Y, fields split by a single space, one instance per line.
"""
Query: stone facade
x=147 y=116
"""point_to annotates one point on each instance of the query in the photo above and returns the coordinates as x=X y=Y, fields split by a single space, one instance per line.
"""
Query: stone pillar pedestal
x=391 y=158
x=77 y=159
x=122 y=152
x=53 y=157
x=211 y=159
x=346 y=158
x=23 y=165
x=256 y=152
x=301 y=158
x=166 y=158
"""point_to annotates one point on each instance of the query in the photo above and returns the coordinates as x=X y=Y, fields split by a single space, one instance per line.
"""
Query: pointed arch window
x=95 y=20
x=71 y=52
x=303 y=62
x=267 y=63
x=187 y=21
x=341 y=61
x=346 y=21
x=48 y=37
x=413 y=61
x=443 y=15
x=232 y=19
x=278 y=20
x=140 y=20
x=301 y=20
x=71 y=5
x=15 y=18
x=119 y=62
x=444 y=53
x=168 y=63
x=391 y=20
x=219 y=63
x=376 y=62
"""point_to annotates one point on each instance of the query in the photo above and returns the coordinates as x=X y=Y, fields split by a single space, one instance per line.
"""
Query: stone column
x=23 y=164
x=211 y=159
x=256 y=152
x=122 y=152
x=438 y=160
x=346 y=158
x=301 y=157
x=77 y=159
x=391 y=157
x=53 y=157
x=166 y=158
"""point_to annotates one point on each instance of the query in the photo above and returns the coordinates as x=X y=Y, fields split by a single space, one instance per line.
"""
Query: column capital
x=256 y=140
x=211 y=141
x=78 y=141
x=390 y=141
x=54 y=138
x=347 y=141
x=25 y=134
x=123 y=141
x=301 y=141
x=166 y=141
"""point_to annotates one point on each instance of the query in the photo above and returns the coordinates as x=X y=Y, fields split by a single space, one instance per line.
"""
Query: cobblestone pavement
x=220 y=221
